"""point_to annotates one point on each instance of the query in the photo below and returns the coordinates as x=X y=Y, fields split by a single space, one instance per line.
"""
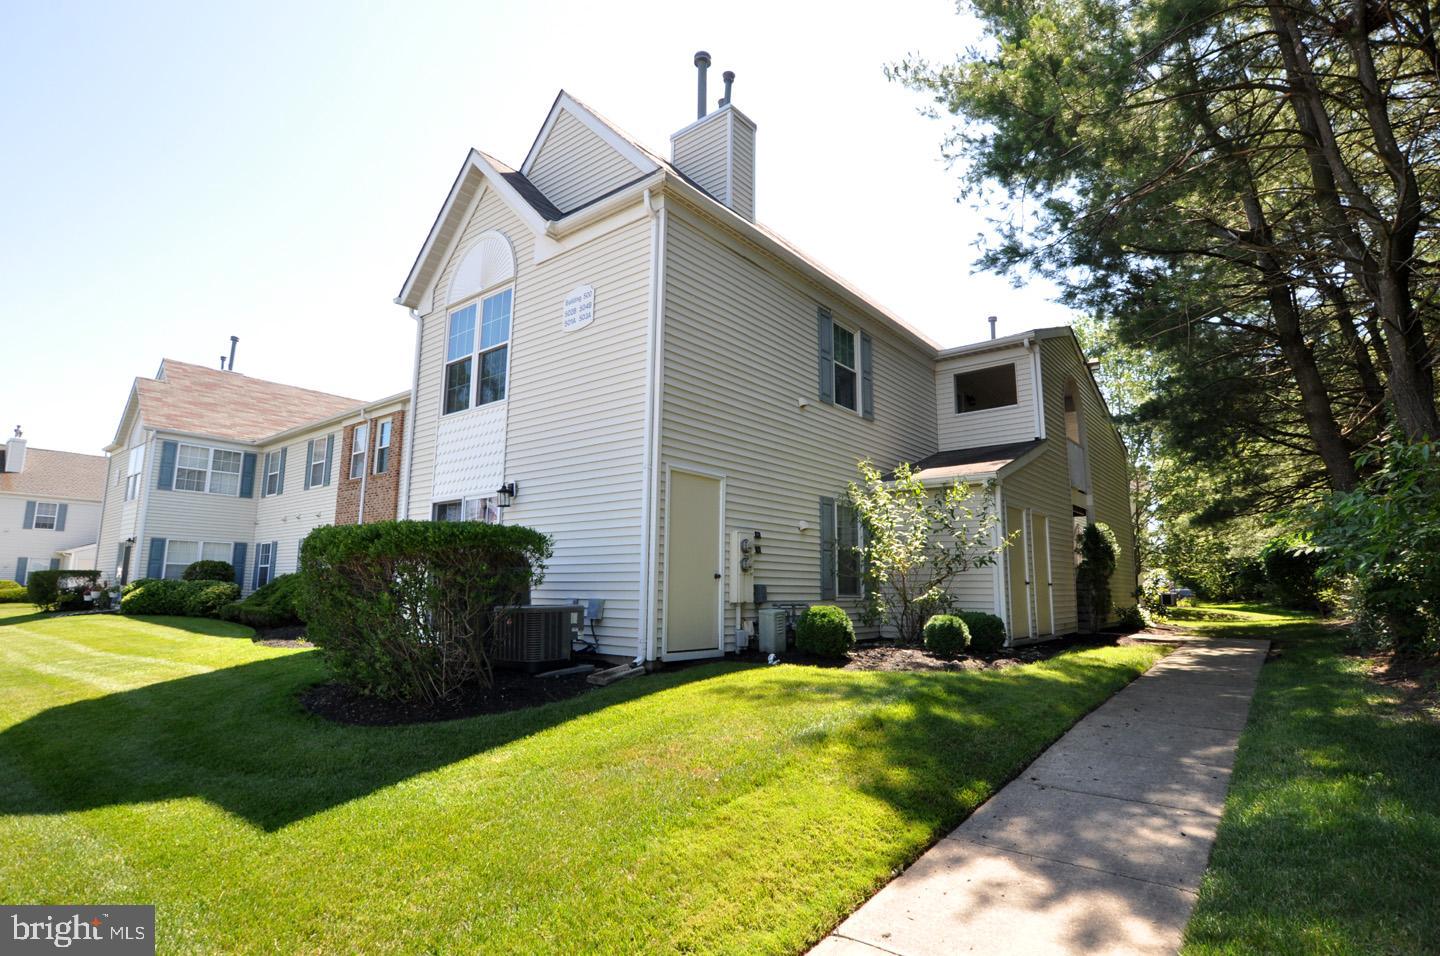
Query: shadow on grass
x=25 y=618
x=239 y=738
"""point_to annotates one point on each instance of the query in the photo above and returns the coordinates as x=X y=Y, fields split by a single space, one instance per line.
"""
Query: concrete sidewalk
x=1099 y=845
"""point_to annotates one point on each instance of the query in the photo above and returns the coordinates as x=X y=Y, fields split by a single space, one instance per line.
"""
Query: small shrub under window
x=12 y=592
x=177 y=598
x=209 y=571
x=206 y=598
x=825 y=631
x=411 y=609
x=987 y=632
x=274 y=605
x=946 y=635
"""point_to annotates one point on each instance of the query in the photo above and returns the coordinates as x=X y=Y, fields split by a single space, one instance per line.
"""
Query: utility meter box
x=742 y=567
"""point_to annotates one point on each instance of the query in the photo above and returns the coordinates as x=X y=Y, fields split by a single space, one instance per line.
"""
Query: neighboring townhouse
x=49 y=507
x=212 y=464
x=612 y=350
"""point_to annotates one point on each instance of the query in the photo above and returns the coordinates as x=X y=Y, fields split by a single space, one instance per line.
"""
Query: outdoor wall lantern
x=507 y=493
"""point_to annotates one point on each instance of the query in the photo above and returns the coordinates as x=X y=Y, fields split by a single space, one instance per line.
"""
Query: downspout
x=403 y=506
x=100 y=529
x=364 y=472
x=649 y=477
x=1038 y=392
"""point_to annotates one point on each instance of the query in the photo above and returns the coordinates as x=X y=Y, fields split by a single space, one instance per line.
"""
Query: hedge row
x=274 y=605
x=178 y=598
x=12 y=592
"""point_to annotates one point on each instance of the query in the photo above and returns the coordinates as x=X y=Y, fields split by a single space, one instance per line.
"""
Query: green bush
x=825 y=631
x=946 y=635
x=274 y=605
x=987 y=632
x=209 y=571
x=1098 y=552
x=177 y=598
x=44 y=587
x=1133 y=618
x=13 y=593
x=61 y=590
x=412 y=609
x=206 y=598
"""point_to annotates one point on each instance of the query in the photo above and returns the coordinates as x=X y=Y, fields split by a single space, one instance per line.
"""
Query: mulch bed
x=513 y=690
x=293 y=636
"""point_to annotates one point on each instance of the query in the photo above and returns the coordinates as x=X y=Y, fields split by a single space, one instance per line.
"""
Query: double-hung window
x=358 y=441
x=264 y=563
x=476 y=366
x=845 y=365
x=133 y=468
x=47 y=514
x=485 y=510
x=446 y=511
x=382 y=447
x=316 y=464
x=207 y=469
x=848 y=561
x=179 y=555
x=272 y=473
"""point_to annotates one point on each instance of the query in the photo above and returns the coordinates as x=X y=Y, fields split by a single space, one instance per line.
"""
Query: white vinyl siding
x=288 y=518
x=988 y=426
x=574 y=165
x=82 y=521
x=735 y=333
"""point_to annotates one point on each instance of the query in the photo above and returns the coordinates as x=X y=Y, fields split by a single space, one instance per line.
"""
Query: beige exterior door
x=1017 y=558
x=693 y=562
x=1040 y=549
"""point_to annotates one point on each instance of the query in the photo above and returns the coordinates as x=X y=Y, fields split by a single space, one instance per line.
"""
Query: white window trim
x=264 y=558
x=229 y=547
x=317 y=448
x=955 y=390
x=271 y=458
x=210 y=454
x=134 y=468
x=389 y=423
x=477 y=353
x=53 y=516
x=835 y=363
x=359 y=449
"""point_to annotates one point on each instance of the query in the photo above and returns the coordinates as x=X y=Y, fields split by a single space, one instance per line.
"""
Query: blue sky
x=178 y=173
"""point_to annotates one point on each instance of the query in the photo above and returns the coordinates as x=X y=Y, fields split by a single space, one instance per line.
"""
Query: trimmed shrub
x=209 y=571
x=150 y=596
x=206 y=598
x=1133 y=618
x=987 y=632
x=946 y=635
x=1098 y=552
x=273 y=605
x=61 y=590
x=411 y=609
x=825 y=631
x=12 y=593
x=44 y=587
x=136 y=585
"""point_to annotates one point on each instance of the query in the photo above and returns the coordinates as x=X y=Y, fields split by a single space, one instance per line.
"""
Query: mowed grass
x=719 y=808
x=1330 y=841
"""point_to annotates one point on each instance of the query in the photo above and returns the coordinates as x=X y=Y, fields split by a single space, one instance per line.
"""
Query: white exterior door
x=694 y=558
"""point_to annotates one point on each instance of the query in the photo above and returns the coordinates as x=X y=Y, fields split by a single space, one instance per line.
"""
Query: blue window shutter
x=827 y=549
x=156 y=567
x=280 y=485
x=826 y=329
x=54 y=564
x=329 y=456
x=309 y=457
x=274 y=558
x=237 y=560
x=29 y=515
x=60 y=517
x=265 y=473
x=255 y=577
x=867 y=377
x=168 y=451
x=21 y=565
x=247 y=475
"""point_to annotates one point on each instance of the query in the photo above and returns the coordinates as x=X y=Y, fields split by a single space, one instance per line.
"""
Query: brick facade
x=382 y=491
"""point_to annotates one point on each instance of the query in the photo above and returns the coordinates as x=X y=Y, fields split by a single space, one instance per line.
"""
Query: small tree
x=1098 y=552
x=917 y=540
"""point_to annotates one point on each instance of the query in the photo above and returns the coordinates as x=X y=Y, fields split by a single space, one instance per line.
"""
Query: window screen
x=985 y=388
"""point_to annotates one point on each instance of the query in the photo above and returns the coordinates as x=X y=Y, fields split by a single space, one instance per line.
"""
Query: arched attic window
x=477 y=343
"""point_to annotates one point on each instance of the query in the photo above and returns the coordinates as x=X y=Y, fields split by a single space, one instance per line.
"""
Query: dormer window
x=984 y=388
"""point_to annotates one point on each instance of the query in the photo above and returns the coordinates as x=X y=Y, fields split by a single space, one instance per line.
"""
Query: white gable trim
x=476 y=166
x=566 y=103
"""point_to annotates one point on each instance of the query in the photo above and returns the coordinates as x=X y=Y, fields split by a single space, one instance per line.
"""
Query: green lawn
x=717 y=808
x=1330 y=842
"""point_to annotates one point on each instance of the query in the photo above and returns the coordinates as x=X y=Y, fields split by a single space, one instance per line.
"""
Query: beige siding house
x=215 y=465
x=49 y=508
x=612 y=350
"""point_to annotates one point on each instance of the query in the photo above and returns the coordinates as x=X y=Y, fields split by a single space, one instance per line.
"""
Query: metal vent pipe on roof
x=729 y=76
x=702 y=63
x=222 y=361
x=993 y=320
x=234 y=340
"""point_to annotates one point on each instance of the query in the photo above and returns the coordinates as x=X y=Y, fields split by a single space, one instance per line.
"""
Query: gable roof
x=197 y=400
x=58 y=474
x=981 y=461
